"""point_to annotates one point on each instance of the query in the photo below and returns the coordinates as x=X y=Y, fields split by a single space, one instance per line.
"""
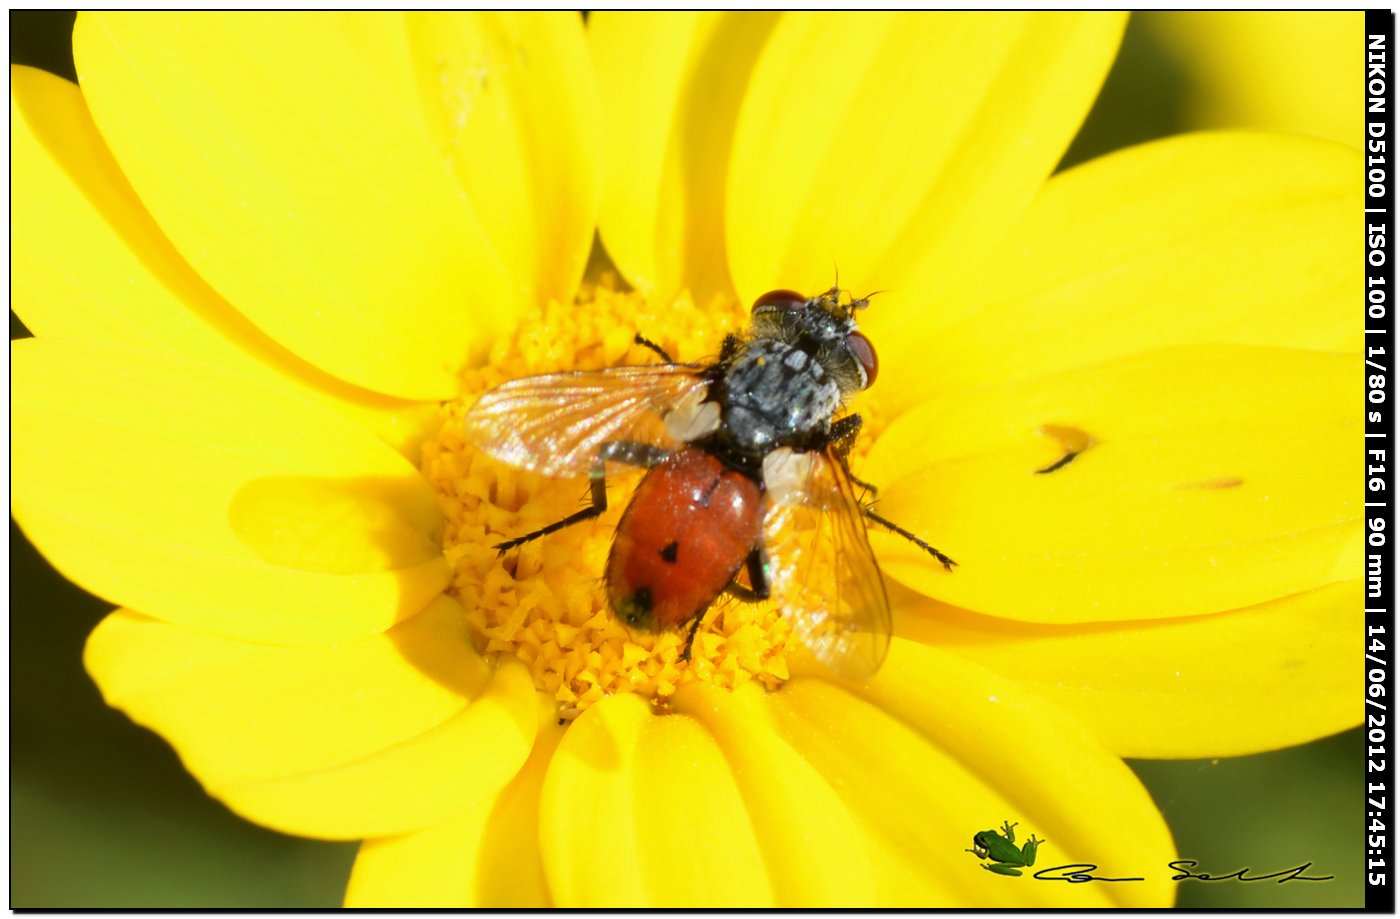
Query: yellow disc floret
x=544 y=602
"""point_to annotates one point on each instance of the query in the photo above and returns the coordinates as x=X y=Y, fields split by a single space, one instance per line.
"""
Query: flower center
x=544 y=602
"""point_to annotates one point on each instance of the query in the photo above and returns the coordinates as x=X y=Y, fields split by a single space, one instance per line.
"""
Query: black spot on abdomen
x=668 y=554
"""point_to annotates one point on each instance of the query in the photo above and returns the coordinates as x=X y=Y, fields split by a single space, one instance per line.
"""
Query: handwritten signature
x=1288 y=874
x=1074 y=874
x=1082 y=873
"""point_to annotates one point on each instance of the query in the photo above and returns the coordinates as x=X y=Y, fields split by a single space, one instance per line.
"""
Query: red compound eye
x=864 y=352
x=782 y=299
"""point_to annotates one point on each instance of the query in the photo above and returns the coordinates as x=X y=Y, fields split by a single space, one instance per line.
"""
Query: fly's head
x=825 y=327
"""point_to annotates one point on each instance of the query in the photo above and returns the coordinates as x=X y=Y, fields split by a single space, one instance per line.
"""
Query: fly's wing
x=555 y=424
x=822 y=570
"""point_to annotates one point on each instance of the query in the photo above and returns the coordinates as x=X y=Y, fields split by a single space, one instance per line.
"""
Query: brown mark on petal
x=1074 y=441
x=1220 y=483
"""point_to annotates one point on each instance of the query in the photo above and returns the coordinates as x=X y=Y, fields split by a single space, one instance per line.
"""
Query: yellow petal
x=671 y=84
x=90 y=262
x=810 y=840
x=896 y=146
x=1223 y=238
x=379 y=736
x=936 y=749
x=215 y=501
x=1246 y=681
x=487 y=857
x=639 y=810
x=1242 y=69
x=1216 y=477
x=282 y=157
x=511 y=102
x=815 y=796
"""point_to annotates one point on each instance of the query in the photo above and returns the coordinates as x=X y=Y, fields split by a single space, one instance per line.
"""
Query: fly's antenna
x=834 y=292
x=863 y=302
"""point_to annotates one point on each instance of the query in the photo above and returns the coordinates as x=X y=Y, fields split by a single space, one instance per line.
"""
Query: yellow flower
x=269 y=264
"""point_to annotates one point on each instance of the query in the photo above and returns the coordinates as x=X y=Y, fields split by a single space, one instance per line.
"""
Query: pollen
x=544 y=602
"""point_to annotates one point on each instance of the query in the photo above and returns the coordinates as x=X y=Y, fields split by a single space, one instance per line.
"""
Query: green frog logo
x=999 y=850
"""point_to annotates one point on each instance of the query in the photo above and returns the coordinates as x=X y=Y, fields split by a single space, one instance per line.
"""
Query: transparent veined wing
x=821 y=568
x=555 y=424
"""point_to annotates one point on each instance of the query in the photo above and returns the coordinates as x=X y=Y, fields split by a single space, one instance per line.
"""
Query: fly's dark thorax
x=774 y=395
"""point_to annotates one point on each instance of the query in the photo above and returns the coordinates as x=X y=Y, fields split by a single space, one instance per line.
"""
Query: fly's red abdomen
x=689 y=528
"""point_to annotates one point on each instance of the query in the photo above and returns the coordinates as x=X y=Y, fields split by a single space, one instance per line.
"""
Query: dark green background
x=103 y=815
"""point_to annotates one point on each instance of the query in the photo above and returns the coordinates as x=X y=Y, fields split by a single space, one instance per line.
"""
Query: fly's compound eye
x=864 y=353
x=780 y=299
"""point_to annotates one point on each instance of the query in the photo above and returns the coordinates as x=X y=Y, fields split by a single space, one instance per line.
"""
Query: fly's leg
x=730 y=349
x=843 y=433
x=843 y=436
x=948 y=563
x=654 y=347
x=757 y=565
x=690 y=636
x=618 y=451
